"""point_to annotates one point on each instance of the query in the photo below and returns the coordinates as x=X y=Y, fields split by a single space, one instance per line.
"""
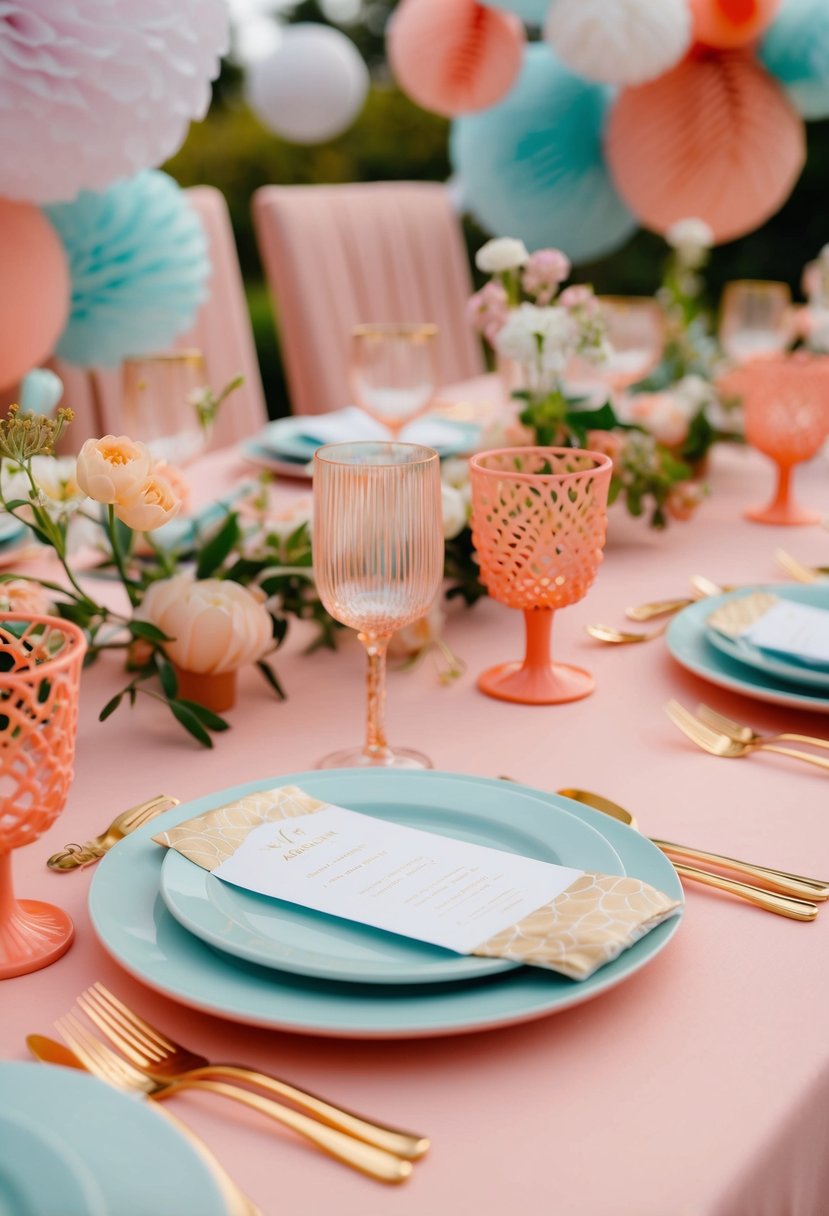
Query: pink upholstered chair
x=336 y=256
x=222 y=331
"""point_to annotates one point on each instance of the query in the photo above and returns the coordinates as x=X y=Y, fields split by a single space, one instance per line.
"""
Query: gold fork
x=102 y=1060
x=797 y=570
x=165 y=1060
x=75 y=856
x=719 y=744
x=744 y=734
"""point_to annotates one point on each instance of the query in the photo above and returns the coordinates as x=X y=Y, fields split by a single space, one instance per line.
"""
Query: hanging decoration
x=34 y=302
x=795 y=49
x=533 y=164
x=311 y=87
x=731 y=23
x=531 y=11
x=454 y=58
x=715 y=138
x=139 y=269
x=619 y=41
x=95 y=90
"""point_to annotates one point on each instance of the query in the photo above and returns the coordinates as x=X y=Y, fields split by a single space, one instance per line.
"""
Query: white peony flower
x=694 y=392
x=502 y=253
x=454 y=511
x=517 y=339
x=455 y=473
x=691 y=238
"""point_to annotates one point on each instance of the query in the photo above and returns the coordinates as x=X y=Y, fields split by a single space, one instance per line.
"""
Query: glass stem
x=7 y=901
x=539 y=626
x=376 y=745
x=784 y=482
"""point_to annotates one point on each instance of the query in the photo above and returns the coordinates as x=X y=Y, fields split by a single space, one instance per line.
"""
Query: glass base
x=356 y=757
x=545 y=684
x=784 y=514
x=34 y=935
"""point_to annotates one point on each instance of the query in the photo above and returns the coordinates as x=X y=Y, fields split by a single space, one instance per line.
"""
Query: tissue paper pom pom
x=619 y=41
x=533 y=166
x=34 y=301
x=731 y=23
x=94 y=90
x=311 y=87
x=531 y=11
x=139 y=265
x=796 y=51
x=454 y=58
x=715 y=138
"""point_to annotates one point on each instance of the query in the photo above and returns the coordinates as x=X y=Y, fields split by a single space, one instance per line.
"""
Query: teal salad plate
x=690 y=642
x=134 y=925
x=291 y=938
x=68 y=1148
x=287 y=438
x=779 y=666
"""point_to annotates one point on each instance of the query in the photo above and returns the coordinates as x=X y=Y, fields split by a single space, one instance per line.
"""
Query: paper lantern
x=731 y=23
x=94 y=90
x=454 y=58
x=796 y=51
x=619 y=41
x=41 y=389
x=531 y=11
x=34 y=302
x=716 y=138
x=139 y=267
x=532 y=166
x=311 y=87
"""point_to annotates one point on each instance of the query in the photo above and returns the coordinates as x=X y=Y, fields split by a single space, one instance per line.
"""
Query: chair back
x=338 y=256
x=222 y=331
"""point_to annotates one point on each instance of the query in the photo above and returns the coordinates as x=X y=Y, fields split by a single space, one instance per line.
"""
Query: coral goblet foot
x=32 y=934
x=551 y=685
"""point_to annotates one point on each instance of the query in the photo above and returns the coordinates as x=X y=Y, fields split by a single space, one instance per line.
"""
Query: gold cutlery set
x=721 y=736
x=138 y=1058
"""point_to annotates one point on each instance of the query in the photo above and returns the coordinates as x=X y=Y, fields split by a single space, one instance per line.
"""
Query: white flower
x=691 y=238
x=454 y=511
x=502 y=253
x=517 y=339
x=455 y=473
x=694 y=392
x=56 y=478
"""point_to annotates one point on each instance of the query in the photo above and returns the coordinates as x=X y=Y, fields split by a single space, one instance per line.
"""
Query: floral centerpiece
x=545 y=328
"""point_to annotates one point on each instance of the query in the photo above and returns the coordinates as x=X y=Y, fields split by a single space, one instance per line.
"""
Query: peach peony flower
x=608 y=443
x=412 y=639
x=24 y=596
x=153 y=503
x=663 y=414
x=176 y=478
x=216 y=625
x=112 y=469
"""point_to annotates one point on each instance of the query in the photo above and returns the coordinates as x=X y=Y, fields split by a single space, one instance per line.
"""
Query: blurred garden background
x=393 y=139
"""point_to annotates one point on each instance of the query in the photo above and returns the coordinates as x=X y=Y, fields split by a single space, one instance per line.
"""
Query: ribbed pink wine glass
x=378 y=562
x=40 y=670
x=539 y=517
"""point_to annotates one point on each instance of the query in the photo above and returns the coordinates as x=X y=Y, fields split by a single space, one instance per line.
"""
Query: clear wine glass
x=378 y=562
x=393 y=371
x=755 y=319
x=157 y=410
x=636 y=331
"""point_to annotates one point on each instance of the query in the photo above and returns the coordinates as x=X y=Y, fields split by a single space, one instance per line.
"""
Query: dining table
x=699 y=1087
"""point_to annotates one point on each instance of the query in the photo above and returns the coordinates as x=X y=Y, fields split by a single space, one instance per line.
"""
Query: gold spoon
x=703 y=587
x=657 y=608
x=792 y=905
x=623 y=637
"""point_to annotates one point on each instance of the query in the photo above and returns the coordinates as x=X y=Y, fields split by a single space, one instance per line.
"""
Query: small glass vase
x=157 y=409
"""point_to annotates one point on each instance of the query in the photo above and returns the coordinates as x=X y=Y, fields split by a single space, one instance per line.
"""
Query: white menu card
x=404 y=880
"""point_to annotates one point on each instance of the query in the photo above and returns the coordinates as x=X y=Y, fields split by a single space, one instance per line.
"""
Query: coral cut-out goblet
x=40 y=671
x=378 y=562
x=786 y=406
x=539 y=519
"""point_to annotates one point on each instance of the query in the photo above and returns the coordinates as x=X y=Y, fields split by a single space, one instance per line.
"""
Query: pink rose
x=487 y=310
x=111 y=469
x=607 y=443
x=152 y=503
x=543 y=273
x=579 y=296
x=216 y=625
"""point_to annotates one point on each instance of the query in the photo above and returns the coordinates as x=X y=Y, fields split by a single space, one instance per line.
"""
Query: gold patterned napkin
x=587 y=925
x=736 y=616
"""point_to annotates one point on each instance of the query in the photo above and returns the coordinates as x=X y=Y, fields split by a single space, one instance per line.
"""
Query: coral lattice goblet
x=539 y=518
x=786 y=406
x=40 y=671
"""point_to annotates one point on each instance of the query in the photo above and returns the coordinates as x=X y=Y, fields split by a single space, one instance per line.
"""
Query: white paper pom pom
x=619 y=41
x=94 y=90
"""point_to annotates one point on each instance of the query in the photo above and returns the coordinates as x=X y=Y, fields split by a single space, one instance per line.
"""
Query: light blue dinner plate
x=134 y=926
x=140 y=1164
x=39 y=1176
x=689 y=641
x=778 y=666
x=287 y=439
x=291 y=938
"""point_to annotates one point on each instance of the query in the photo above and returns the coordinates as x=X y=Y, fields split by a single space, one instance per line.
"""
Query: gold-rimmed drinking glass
x=157 y=404
x=393 y=371
x=755 y=319
x=378 y=562
x=636 y=331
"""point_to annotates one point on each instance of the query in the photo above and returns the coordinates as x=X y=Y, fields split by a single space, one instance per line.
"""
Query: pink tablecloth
x=698 y=1088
